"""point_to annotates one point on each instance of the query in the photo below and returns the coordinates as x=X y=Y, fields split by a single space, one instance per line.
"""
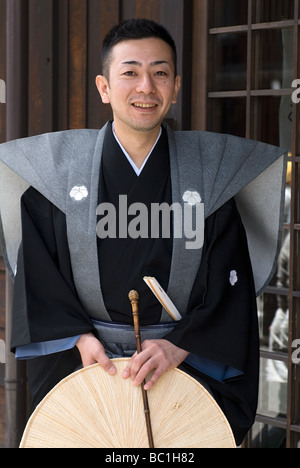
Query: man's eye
x=161 y=73
x=129 y=73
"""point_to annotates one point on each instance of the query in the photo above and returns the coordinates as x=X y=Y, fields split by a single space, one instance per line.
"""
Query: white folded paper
x=163 y=297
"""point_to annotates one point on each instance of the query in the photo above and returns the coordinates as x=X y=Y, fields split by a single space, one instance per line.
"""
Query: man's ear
x=103 y=88
x=177 y=88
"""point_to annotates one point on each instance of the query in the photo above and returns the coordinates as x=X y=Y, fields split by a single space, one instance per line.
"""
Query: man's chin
x=145 y=126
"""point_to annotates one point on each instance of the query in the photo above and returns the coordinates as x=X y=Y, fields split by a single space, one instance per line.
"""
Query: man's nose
x=146 y=84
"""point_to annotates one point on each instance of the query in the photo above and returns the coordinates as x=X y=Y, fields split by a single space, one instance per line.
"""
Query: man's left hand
x=156 y=355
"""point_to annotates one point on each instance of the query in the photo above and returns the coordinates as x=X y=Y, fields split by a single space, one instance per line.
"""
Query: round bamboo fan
x=91 y=409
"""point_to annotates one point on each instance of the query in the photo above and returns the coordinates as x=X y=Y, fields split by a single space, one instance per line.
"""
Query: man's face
x=141 y=87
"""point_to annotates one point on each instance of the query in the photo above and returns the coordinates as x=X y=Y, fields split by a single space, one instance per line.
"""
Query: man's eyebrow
x=139 y=64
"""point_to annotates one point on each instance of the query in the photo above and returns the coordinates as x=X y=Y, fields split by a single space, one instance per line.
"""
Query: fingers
x=106 y=363
x=155 y=376
x=156 y=358
x=92 y=352
x=127 y=371
x=139 y=367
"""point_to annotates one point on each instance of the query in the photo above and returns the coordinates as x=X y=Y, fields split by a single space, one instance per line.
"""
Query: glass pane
x=296 y=381
x=273 y=309
x=273 y=50
x=265 y=436
x=227 y=116
x=297 y=239
x=229 y=65
x=227 y=13
x=273 y=322
x=273 y=388
x=274 y=10
x=268 y=122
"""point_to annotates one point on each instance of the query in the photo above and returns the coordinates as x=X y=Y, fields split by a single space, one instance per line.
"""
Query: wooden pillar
x=16 y=127
x=15 y=383
x=200 y=64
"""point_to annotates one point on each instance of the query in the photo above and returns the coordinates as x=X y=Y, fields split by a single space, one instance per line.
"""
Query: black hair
x=134 y=29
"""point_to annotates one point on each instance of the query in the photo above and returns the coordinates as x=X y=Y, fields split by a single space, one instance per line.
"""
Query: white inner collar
x=135 y=168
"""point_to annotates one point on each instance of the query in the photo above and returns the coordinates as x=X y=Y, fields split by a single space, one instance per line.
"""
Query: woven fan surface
x=91 y=409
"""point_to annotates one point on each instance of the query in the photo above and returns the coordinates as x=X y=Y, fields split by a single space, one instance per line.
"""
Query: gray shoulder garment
x=215 y=166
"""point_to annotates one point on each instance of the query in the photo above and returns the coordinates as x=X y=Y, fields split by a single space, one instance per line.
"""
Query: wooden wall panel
x=16 y=69
x=77 y=63
x=2 y=420
x=2 y=273
x=2 y=67
x=2 y=366
x=150 y=9
x=2 y=298
x=61 y=65
x=101 y=17
x=40 y=66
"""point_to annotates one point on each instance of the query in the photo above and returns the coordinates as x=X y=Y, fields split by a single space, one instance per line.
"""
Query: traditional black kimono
x=220 y=325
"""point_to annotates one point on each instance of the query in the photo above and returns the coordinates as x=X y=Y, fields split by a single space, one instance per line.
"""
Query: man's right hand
x=92 y=352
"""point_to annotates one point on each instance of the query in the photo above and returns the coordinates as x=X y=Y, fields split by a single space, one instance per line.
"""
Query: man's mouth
x=142 y=105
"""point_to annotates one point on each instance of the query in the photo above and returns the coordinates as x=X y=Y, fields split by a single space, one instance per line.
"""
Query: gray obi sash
x=119 y=339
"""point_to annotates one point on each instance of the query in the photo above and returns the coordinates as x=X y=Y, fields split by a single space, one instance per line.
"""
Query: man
x=75 y=269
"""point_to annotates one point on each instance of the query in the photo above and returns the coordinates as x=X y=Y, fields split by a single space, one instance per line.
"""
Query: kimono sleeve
x=46 y=306
x=221 y=322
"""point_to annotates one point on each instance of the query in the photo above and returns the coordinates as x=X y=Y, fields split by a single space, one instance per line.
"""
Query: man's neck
x=138 y=144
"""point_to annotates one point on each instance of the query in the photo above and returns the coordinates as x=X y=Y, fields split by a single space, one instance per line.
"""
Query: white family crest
x=233 y=278
x=79 y=192
x=191 y=197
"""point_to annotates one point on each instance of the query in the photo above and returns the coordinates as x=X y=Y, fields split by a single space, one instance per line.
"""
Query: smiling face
x=142 y=85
